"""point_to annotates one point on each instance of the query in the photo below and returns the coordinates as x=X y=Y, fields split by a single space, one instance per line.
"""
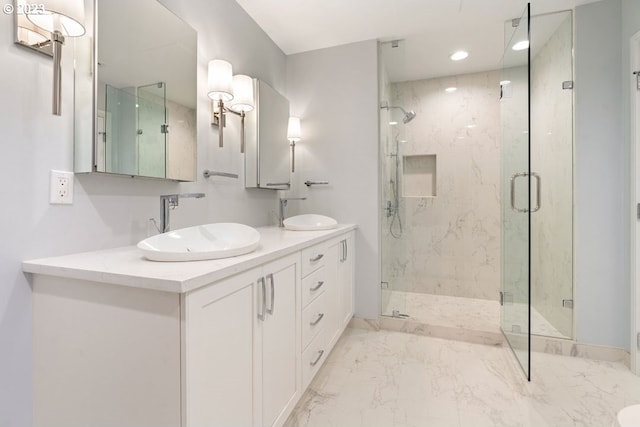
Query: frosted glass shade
x=293 y=131
x=66 y=16
x=220 y=80
x=242 y=94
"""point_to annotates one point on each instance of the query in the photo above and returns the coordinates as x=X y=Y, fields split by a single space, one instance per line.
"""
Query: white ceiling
x=431 y=29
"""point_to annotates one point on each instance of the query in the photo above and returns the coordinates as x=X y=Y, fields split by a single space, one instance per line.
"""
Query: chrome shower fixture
x=408 y=115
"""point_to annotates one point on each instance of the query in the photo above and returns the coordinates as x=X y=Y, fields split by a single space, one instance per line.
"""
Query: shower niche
x=419 y=177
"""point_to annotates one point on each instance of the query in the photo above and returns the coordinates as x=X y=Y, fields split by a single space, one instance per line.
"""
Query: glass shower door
x=518 y=199
x=152 y=130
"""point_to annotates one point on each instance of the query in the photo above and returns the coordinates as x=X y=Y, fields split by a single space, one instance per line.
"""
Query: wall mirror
x=135 y=91
x=267 y=154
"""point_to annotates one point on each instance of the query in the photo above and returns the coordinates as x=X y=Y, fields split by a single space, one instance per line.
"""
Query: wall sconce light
x=237 y=91
x=60 y=18
x=293 y=135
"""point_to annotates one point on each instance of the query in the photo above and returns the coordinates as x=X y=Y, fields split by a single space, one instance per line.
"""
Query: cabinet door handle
x=315 y=362
x=317 y=258
x=318 y=319
x=273 y=293
x=263 y=288
x=318 y=286
x=346 y=250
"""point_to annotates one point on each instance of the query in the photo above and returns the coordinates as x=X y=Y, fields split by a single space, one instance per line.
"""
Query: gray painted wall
x=107 y=211
x=335 y=93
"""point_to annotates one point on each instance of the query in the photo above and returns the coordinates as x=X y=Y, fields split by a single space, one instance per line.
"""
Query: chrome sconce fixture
x=225 y=88
x=293 y=135
x=45 y=28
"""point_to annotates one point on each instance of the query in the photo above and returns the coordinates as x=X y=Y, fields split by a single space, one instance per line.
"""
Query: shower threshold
x=442 y=316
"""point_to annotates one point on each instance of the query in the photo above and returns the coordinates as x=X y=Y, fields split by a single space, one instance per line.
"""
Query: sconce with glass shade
x=59 y=18
x=236 y=91
x=293 y=135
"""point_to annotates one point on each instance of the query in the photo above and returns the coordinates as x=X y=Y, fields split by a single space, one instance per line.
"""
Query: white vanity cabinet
x=242 y=346
x=327 y=303
x=120 y=341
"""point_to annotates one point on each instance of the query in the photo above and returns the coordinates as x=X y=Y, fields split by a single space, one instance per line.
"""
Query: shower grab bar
x=538 y=191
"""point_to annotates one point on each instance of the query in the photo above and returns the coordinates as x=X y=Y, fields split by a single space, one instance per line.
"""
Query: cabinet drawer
x=313 y=357
x=313 y=258
x=314 y=318
x=314 y=284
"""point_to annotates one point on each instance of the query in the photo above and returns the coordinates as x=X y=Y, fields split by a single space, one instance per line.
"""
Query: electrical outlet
x=61 y=188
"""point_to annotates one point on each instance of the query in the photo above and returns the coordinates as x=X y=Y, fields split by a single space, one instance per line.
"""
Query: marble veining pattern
x=450 y=243
x=470 y=314
x=383 y=378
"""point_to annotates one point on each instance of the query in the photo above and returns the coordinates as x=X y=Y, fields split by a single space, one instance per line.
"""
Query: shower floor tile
x=386 y=378
x=469 y=314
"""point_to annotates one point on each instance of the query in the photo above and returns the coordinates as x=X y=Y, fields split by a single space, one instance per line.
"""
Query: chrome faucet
x=170 y=201
x=283 y=204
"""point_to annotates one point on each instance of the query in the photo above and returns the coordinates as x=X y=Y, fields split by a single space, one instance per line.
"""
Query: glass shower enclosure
x=476 y=191
x=517 y=204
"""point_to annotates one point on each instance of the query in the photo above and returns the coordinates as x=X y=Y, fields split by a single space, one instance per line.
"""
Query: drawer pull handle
x=318 y=286
x=315 y=362
x=318 y=319
x=317 y=258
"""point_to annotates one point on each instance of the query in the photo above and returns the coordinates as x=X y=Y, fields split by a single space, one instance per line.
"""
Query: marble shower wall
x=450 y=243
x=552 y=159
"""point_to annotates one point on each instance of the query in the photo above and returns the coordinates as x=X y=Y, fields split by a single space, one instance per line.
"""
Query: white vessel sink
x=310 y=222
x=209 y=241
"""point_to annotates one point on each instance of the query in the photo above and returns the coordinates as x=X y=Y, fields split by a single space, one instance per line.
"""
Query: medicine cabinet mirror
x=135 y=91
x=267 y=154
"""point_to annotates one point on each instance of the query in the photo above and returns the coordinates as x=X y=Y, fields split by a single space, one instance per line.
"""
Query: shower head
x=408 y=115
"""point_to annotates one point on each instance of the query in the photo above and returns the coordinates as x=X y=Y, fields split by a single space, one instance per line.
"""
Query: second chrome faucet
x=283 y=204
x=170 y=201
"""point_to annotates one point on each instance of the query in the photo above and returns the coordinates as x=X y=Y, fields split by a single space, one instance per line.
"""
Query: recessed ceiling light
x=505 y=82
x=471 y=126
x=459 y=55
x=393 y=123
x=451 y=89
x=521 y=45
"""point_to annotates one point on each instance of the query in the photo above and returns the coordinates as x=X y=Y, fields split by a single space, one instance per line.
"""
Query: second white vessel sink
x=209 y=241
x=310 y=222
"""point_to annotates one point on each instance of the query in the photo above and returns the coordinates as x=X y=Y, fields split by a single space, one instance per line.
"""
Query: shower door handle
x=538 y=191
x=513 y=191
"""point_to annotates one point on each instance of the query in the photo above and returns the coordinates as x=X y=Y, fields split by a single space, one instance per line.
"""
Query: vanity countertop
x=126 y=266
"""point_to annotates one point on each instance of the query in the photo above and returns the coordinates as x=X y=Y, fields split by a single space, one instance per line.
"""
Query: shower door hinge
x=515 y=23
x=567 y=303
x=568 y=84
x=501 y=298
x=637 y=74
x=638 y=340
x=384 y=285
x=164 y=128
x=638 y=210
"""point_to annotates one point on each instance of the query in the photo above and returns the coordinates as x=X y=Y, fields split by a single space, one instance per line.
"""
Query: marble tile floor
x=384 y=378
x=464 y=313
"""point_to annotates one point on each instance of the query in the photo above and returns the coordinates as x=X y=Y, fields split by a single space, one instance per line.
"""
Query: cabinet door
x=280 y=335
x=219 y=350
x=345 y=279
x=332 y=290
